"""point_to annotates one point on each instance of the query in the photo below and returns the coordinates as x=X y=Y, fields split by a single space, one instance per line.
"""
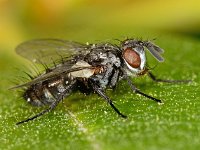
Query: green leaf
x=87 y=122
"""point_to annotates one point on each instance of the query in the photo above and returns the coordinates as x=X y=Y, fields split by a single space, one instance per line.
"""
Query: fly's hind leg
x=153 y=77
x=50 y=108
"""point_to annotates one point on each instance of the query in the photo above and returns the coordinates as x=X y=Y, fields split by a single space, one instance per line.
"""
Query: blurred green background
x=92 y=19
x=87 y=122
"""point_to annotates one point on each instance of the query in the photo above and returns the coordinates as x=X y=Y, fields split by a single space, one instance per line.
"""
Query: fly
x=86 y=68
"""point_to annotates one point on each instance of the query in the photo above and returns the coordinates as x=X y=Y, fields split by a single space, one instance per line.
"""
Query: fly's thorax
x=105 y=62
x=134 y=57
x=103 y=57
x=47 y=92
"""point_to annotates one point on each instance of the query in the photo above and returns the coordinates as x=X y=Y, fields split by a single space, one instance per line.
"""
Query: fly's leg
x=52 y=106
x=153 y=77
x=137 y=91
x=101 y=92
x=114 y=79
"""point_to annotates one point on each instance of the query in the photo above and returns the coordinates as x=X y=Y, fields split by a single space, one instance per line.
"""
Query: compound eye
x=132 y=57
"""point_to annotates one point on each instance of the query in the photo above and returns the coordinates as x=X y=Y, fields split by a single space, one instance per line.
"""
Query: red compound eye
x=132 y=57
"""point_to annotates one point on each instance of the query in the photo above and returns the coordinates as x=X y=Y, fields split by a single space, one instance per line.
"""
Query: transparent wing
x=48 y=50
x=53 y=74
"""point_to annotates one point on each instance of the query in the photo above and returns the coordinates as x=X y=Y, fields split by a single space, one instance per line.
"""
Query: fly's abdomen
x=47 y=92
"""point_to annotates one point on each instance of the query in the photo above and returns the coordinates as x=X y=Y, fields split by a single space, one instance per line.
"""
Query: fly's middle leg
x=101 y=93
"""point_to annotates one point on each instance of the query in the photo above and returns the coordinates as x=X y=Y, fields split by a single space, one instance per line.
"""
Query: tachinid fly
x=85 y=67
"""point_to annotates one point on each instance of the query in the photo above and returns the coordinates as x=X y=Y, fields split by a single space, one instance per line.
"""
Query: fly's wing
x=155 y=50
x=48 y=50
x=55 y=73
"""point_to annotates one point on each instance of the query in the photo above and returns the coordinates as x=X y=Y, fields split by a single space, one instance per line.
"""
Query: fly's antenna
x=155 y=50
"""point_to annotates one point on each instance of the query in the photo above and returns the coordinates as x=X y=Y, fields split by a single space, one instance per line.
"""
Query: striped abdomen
x=46 y=92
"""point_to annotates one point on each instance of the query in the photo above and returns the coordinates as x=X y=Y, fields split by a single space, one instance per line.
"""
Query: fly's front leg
x=101 y=93
x=136 y=90
x=114 y=79
x=107 y=74
x=153 y=77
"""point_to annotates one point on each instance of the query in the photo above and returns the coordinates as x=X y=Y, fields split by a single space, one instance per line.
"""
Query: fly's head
x=133 y=53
